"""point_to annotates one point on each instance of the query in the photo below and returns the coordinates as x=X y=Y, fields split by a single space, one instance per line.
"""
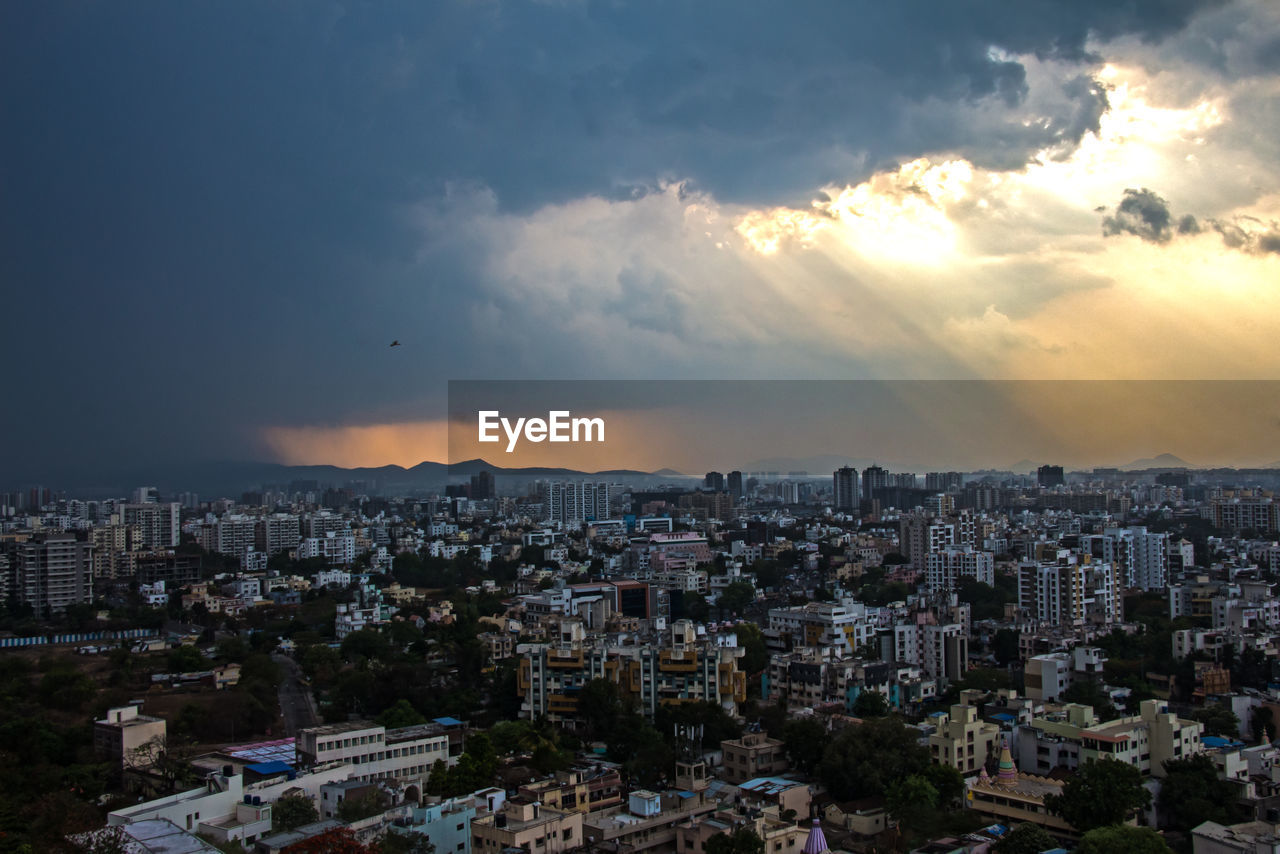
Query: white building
x=337 y=549
x=946 y=568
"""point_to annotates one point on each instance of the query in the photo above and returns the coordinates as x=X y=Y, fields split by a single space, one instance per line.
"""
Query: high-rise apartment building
x=277 y=533
x=945 y=569
x=845 y=488
x=51 y=571
x=1141 y=558
x=571 y=502
x=1050 y=476
x=873 y=478
x=159 y=525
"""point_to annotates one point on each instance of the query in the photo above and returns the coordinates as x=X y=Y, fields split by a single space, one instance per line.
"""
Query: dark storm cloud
x=203 y=203
x=1143 y=214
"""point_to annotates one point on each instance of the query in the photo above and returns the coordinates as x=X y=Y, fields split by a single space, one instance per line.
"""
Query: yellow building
x=962 y=740
x=522 y=823
x=582 y=790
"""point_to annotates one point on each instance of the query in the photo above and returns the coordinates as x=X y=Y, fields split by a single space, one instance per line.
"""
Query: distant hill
x=1163 y=461
x=231 y=478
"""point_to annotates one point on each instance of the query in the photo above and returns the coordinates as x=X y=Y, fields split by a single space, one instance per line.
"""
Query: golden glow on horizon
x=353 y=446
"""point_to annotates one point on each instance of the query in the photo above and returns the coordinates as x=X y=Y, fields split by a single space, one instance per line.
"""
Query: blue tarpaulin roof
x=1004 y=716
x=448 y=721
x=274 y=767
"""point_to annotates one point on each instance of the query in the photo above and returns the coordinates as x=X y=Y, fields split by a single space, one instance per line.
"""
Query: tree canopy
x=1193 y=793
x=1131 y=840
x=866 y=759
x=742 y=841
x=1101 y=793
x=1026 y=838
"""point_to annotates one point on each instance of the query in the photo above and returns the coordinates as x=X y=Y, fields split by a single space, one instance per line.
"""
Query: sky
x=217 y=217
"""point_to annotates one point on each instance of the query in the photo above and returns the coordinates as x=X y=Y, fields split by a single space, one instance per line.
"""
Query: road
x=297 y=706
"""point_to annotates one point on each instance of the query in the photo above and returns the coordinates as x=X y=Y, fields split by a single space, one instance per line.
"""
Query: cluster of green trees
x=475 y=770
x=46 y=743
x=1103 y=795
x=648 y=752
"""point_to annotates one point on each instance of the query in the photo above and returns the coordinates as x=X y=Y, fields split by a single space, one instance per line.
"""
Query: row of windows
x=339 y=743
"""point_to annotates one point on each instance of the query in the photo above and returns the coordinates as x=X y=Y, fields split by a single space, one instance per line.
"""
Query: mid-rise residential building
x=337 y=549
x=962 y=739
x=753 y=755
x=1064 y=591
x=824 y=624
x=585 y=789
x=130 y=738
x=679 y=667
x=525 y=824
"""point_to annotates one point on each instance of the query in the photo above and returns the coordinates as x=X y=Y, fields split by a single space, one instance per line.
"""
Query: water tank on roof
x=248 y=799
x=257 y=801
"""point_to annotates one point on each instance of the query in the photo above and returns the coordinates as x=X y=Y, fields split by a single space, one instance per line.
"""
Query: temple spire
x=1008 y=773
x=817 y=842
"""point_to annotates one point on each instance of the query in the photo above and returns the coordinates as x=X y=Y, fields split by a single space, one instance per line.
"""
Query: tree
x=108 y=840
x=870 y=704
x=755 y=657
x=1089 y=693
x=599 y=706
x=863 y=761
x=354 y=809
x=805 y=740
x=339 y=840
x=1131 y=840
x=510 y=737
x=547 y=758
x=911 y=800
x=1026 y=838
x=402 y=714
x=696 y=607
x=1102 y=792
x=1005 y=647
x=293 y=811
x=1262 y=723
x=1218 y=720
x=366 y=643
x=743 y=841
x=948 y=781
x=187 y=659
x=736 y=597
x=405 y=843
x=652 y=759
x=1192 y=793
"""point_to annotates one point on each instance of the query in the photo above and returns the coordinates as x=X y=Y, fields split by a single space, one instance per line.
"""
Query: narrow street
x=296 y=703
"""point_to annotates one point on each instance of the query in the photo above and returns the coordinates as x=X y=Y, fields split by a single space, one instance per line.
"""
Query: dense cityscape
x=745 y=662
